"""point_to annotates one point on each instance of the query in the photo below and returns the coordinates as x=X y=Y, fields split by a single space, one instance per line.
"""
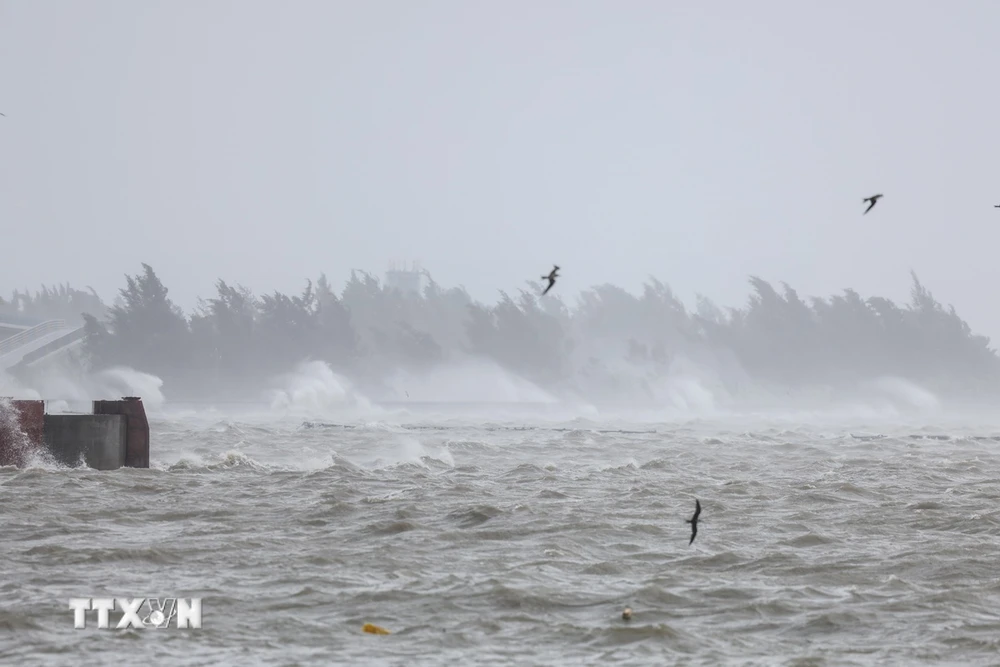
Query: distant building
x=404 y=279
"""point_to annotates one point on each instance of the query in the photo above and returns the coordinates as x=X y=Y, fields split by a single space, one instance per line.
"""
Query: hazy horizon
x=265 y=144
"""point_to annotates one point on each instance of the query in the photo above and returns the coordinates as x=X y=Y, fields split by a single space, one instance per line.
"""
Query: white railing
x=72 y=338
x=8 y=345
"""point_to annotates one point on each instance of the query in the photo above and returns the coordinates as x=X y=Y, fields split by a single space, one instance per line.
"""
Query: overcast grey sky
x=266 y=142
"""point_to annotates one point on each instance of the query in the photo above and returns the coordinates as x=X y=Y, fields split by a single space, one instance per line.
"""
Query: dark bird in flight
x=694 y=520
x=872 y=199
x=551 y=278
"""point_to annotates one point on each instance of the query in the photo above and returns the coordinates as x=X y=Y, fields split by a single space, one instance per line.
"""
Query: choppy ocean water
x=518 y=537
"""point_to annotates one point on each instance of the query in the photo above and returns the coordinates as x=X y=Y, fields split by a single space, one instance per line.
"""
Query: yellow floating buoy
x=374 y=629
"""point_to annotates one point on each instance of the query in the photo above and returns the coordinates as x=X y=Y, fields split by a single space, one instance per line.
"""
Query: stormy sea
x=517 y=533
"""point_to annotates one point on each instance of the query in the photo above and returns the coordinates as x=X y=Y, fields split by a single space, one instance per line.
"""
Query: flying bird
x=694 y=520
x=872 y=199
x=551 y=278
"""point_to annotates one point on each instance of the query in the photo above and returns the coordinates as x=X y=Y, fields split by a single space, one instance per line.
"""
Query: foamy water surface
x=507 y=535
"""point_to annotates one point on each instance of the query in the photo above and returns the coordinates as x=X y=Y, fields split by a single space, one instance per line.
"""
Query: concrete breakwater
x=116 y=434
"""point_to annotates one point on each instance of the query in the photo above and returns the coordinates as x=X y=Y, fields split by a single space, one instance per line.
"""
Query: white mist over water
x=479 y=389
x=908 y=394
x=314 y=390
x=72 y=391
x=687 y=394
x=682 y=389
x=137 y=383
x=467 y=381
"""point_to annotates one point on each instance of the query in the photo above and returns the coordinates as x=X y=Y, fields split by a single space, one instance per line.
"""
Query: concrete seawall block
x=100 y=439
x=116 y=435
x=137 y=454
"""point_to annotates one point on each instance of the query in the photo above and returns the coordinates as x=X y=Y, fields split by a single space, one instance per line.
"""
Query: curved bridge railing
x=63 y=341
x=34 y=333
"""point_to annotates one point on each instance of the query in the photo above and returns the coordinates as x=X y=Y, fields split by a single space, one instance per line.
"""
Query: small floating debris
x=373 y=629
x=627 y=614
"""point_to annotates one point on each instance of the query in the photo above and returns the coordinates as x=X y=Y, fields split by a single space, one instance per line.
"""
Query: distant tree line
x=369 y=331
x=61 y=302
